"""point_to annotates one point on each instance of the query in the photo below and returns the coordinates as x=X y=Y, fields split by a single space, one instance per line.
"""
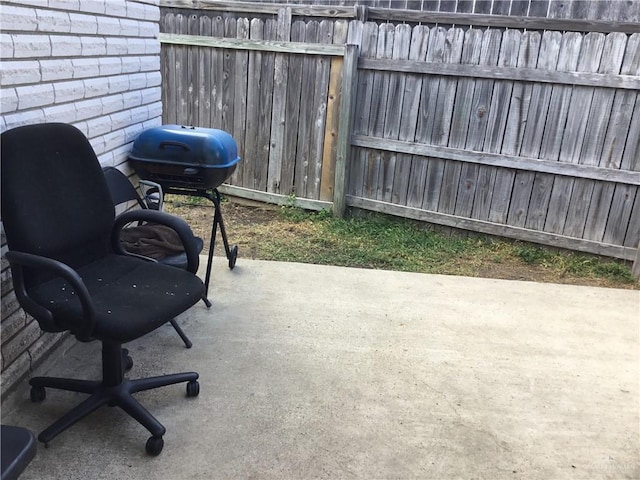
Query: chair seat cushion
x=180 y=260
x=131 y=297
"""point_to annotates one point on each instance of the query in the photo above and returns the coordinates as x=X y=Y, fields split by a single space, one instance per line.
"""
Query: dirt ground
x=250 y=225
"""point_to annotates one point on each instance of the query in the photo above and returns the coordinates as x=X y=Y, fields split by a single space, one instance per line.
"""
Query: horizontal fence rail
x=503 y=73
x=364 y=13
x=528 y=134
x=253 y=45
x=499 y=160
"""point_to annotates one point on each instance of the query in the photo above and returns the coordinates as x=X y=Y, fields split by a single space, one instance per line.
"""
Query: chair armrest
x=18 y=260
x=152 y=187
x=175 y=223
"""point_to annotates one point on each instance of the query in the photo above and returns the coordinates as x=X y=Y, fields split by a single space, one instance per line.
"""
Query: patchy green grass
x=380 y=241
x=385 y=242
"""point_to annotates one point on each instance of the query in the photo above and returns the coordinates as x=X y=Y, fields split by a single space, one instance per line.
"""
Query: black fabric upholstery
x=120 y=188
x=130 y=297
x=48 y=172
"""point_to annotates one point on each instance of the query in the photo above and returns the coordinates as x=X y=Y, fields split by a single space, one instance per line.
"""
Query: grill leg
x=212 y=241
x=218 y=219
x=231 y=252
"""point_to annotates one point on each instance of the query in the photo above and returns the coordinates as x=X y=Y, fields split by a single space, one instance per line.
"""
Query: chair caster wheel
x=37 y=394
x=233 y=256
x=154 y=446
x=193 y=388
x=127 y=363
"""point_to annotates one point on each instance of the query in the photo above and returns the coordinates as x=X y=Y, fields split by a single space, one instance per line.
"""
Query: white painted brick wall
x=84 y=24
x=113 y=65
x=9 y=100
x=66 y=46
x=32 y=96
x=109 y=26
x=6 y=45
x=94 y=6
x=53 y=21
x=86 y=67
x=19 y=72
x=31 y=46
x=92 y=63
x=19 y=18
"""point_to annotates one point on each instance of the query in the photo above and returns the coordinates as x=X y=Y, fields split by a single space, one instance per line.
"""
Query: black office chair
x=18 y=447
x=71 y=274
x=123 y=193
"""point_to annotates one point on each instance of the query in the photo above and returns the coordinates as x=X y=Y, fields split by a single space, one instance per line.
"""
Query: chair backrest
x=120 y=188
x=55 y=201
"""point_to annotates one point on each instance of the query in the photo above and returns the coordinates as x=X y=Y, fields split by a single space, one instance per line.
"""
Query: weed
x=533 y=254
x=188 y=201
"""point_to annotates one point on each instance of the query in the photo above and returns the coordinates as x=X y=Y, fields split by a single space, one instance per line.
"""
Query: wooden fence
x=531 y=134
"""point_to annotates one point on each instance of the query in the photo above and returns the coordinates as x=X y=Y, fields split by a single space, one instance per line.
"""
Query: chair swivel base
x=114 y=390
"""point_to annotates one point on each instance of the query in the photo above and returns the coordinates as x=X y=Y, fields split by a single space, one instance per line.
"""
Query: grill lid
x=187 y=146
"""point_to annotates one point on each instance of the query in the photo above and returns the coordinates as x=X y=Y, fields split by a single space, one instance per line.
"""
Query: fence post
x=635 y=269
x=347 y=102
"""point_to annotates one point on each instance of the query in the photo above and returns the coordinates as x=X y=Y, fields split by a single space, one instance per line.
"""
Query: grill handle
x=170 y=143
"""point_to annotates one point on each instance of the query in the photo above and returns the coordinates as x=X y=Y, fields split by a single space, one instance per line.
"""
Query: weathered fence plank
x=368 y=47
x=496 y=121
x=292 y=113
x=228 y=79
x=467 y=186
x=330 y=144
x=278 y=118
x=428 y=85
x=633 y=229
x=395 y=97
x=460 y=122
x=204 y=69
x=500 y=210
x=406 y=168
x=601 y=194
x=438 y=123
x=183 y=95
x=265 y=109
x=170 y=74
x=252 y=145
x=241 y=74
x=578 y=204
x=380 y=92
x=306 y=115
x=320 y=98
x=217 y=74
x=535 y=207
x=623 y=108
x=343 y=146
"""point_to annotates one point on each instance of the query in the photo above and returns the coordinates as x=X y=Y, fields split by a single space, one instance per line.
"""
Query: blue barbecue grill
x=189 y=161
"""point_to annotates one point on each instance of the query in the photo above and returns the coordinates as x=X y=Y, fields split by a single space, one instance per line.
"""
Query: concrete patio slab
x=311 y=371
